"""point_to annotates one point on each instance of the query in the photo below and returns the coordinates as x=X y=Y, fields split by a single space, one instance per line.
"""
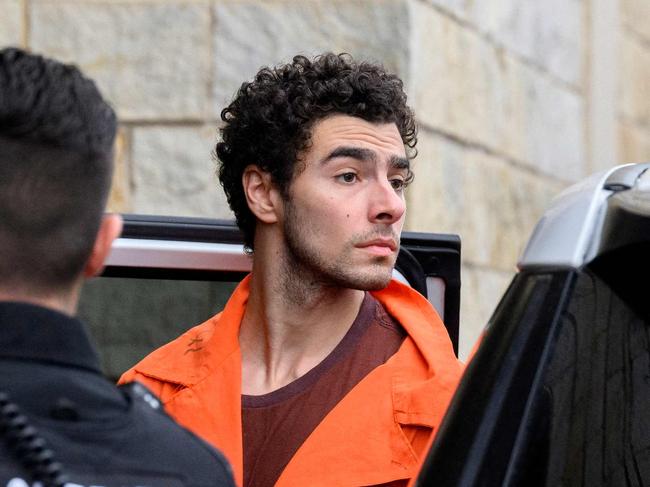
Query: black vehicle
x=558 y=394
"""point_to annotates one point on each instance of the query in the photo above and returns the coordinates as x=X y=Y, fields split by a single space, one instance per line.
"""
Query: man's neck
x=291 y=323
x=66 y=304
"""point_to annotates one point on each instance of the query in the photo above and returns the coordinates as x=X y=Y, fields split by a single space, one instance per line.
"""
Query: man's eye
x=398 y=184
x=348 y=177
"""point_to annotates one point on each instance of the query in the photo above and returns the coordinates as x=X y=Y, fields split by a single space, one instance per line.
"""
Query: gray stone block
x=12 y=28
x=251 y=34
x=452 y=82
x=173 y=173
x=465 y=87
x=635 y=14
x=481 y=291
x=492 y=204
x=550 y=33
x=554 y=128
x=469 y=89
x=635 y=79
x=151 y=59
x=634 y=143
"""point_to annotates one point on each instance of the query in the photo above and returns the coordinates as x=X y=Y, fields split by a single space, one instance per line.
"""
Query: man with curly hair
x=321 y=370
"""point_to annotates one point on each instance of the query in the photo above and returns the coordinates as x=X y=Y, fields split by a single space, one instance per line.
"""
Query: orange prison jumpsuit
x=374 y=435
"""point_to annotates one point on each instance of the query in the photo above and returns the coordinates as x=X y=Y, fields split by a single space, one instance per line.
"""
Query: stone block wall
x=634 y=94
x=505 y=91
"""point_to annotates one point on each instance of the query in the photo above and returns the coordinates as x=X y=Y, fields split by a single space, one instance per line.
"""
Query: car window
x=130 y=317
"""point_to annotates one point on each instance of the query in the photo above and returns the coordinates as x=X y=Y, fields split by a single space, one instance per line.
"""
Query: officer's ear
x=109 y=229
x=262 y=195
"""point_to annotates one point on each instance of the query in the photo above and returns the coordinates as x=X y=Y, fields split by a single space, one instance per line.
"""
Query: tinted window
x=130 y=317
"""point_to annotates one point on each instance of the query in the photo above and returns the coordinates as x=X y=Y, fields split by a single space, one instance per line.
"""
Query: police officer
x=61 y=421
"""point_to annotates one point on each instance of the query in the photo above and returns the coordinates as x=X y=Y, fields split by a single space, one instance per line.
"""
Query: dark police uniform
x=101 y=435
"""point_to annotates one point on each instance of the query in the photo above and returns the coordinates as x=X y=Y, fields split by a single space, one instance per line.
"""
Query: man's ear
x=109 y=229
x=262 y=195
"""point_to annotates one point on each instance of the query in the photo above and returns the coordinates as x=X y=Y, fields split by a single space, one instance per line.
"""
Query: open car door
x=558 y=393
x=167 y=274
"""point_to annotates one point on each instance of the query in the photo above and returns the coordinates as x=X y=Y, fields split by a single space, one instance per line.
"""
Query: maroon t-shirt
x=276 y=424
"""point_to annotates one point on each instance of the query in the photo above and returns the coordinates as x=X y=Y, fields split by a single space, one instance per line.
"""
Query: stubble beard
x=306 y=269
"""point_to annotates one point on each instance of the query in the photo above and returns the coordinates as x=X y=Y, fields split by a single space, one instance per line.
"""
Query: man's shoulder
x=408 y=306
x=170 y=362
x=422 y=324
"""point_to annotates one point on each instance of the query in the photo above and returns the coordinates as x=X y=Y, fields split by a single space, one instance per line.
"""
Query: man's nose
x=387 y=205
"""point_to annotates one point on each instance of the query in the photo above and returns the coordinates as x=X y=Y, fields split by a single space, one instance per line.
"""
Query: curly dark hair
x=270 y=120
x=56 y=161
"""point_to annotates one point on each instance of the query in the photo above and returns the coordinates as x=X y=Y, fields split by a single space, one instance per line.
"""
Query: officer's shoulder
x=153 y=426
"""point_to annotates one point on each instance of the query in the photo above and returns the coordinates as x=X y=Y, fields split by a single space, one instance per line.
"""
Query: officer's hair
x=56 y=139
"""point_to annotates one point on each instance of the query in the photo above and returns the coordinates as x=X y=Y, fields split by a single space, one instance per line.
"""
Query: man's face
x=345 y=210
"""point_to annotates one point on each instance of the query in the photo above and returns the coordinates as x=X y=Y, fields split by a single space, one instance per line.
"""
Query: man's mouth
x=379 y=246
